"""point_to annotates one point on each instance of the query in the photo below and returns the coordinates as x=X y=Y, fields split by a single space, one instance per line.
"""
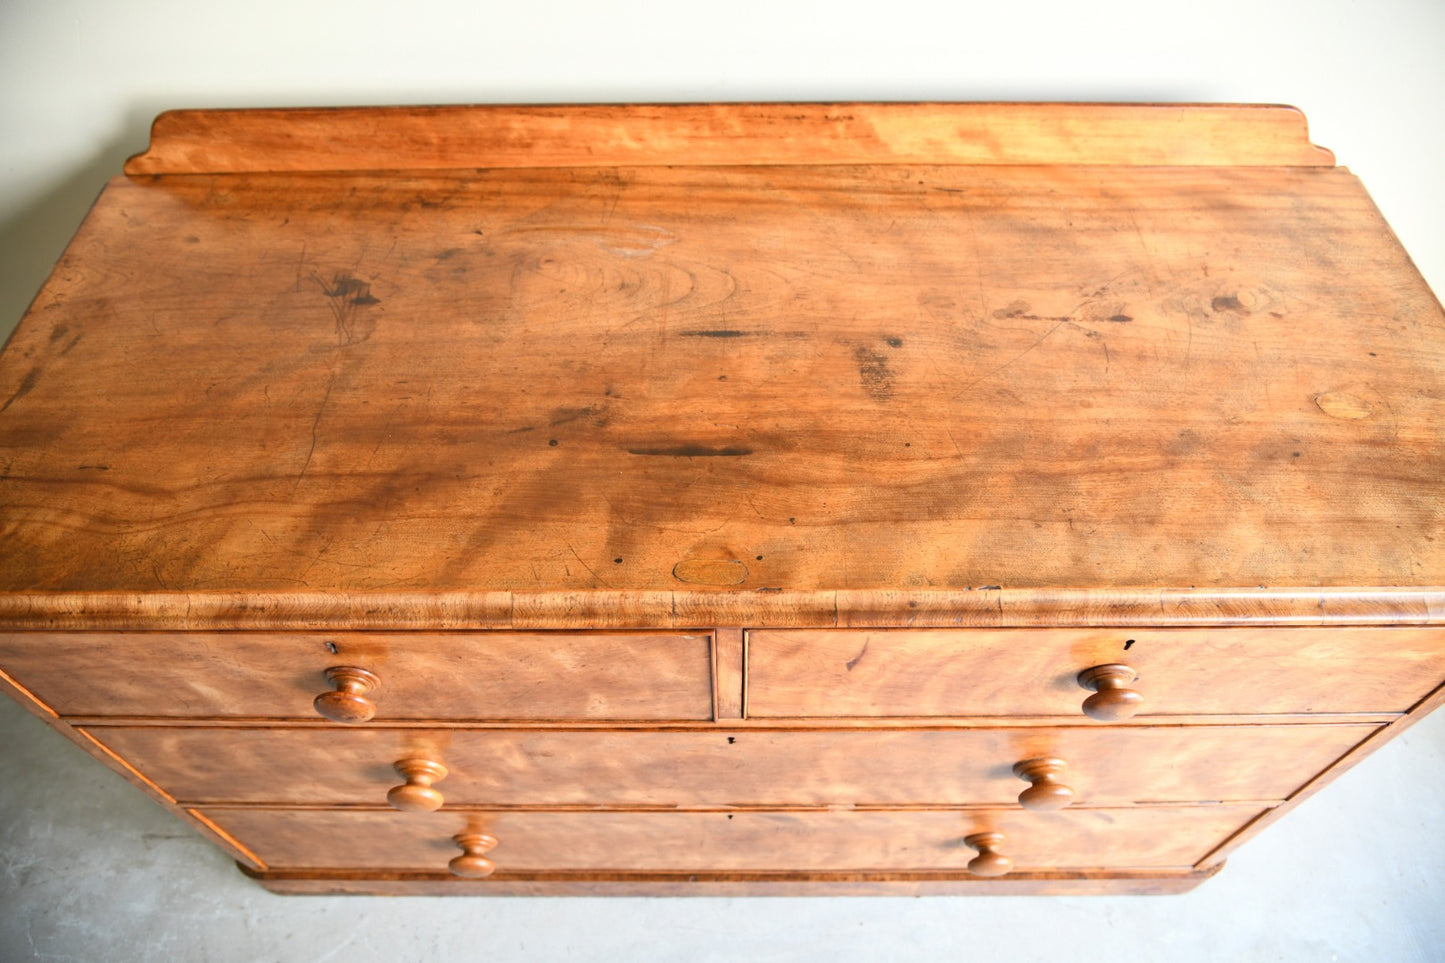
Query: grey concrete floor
x=93 y=870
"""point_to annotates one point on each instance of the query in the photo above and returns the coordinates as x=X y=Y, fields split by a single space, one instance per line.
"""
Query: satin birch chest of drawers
x=771 y=498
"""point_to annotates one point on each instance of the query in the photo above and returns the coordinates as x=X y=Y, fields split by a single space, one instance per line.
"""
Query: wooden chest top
x=547 y=372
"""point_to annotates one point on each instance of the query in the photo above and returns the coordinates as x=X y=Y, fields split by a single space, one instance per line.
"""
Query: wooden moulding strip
x=728 y=683
x=766 y=724
x=989 y=607
x=29 y=700
x=497 y=136
x=733 y=884
x=226 y=842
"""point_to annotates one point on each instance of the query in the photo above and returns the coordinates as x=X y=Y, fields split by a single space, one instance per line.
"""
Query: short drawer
x=760 y=841
x=738 y=767
x=461 y=676
x=1012 y=672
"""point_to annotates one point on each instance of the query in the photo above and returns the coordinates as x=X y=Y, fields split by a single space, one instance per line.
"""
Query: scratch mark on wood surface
x=940 y=382
x=592 y=571
x=1043 y=337
x=844 y=251
x=857 y=658
x=300 y=266
x=320 y=410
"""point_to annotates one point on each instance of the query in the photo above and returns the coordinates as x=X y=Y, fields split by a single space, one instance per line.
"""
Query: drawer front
x=462 y=676
x=1156 y=837
x=1009 y=672
x=740 y=767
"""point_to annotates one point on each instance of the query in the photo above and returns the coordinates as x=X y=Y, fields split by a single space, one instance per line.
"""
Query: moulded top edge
x=723 y=134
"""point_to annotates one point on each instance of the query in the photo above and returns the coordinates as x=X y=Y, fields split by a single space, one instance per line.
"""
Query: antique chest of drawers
x=728 y=499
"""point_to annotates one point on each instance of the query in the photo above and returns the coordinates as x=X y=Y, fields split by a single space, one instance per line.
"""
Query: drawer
x=738 y=767
x=463 y=676
x=1012 y=672
x=816 y=840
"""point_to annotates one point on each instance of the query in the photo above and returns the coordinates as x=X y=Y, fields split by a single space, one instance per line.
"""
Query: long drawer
x=737 y=767
x=418 y=675
x=796 y=841
x=824 y=673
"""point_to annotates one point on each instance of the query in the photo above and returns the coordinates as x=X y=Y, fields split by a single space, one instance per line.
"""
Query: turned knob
x=347 y=701
x=1046 y=791
x=417 y=794
x=472 y=863
x=989 y=861
x=1111 y=699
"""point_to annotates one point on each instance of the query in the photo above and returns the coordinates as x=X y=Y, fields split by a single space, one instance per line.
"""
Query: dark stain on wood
x=873 y=374
x=1022 y=310
x=1230 y=303
x=717 y=333
x=26 y=384
x=691 y=451
x=562 y=416
x=347 y=294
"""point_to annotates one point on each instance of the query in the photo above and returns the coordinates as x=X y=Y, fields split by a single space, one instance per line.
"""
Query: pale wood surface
x=796 y=841
x=352 y=139
x=729 y=685
x=733 y=767
x=457 y=676
x=352 y=386
x=1347 y=762
x=803 y=673
x=983 y=608
x=701 y=373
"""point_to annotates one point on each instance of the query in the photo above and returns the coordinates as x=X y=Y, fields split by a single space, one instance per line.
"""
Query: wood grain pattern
x=868 y=428
x=937 y=672
x=732 y=767
x=423 y=675
x=418 y=138
x=736 y=366
x=729 y=682
x=601 y=609
x=799 y=842
x=1347 y=762
x=125 y=770
x=1055 y=883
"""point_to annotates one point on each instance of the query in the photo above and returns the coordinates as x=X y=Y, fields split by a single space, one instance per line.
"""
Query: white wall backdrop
x=1355 y=875
x=81 y=79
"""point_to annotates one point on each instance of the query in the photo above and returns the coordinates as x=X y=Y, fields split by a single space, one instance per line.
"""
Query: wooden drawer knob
x=989 y=861
x=347 y=701
x=1046 y=791
x=417 y=794
x=1111 y=700
x=472 y=863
